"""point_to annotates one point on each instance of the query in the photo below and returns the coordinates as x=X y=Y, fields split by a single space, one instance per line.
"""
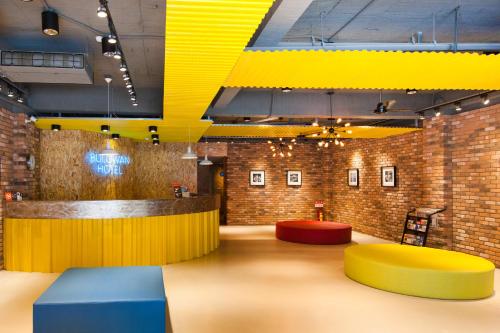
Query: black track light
x=437 y=112
x=380 y=108
x=55 y=127
x=11 y=93
x=155 y=136
x=286 y=90
x=247 y=119
x=123 y=67
x=153 y=129
x=117 y=55
x=101 y=12
x=115 y=136
x=50 y=23
x=156 y=142
x=20 y=99
x=108 y=49
x=105 y=128
x=135 y=104
x=129 y=85
x=458 y=106
x=485 y=100
x=126 y=77
x=411 y=91
x=112 y=39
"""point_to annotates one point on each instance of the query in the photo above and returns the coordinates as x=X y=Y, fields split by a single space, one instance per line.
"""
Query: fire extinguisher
x=320 y=213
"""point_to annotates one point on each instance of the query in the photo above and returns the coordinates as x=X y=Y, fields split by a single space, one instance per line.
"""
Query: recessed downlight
x=55 y=127
x=153 y=129
x=105 y=128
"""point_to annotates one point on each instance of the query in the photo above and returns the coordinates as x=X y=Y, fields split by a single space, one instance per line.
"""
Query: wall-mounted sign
x=107 y=163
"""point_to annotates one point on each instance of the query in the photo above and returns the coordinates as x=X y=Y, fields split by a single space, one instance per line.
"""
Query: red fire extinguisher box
x=319 y=205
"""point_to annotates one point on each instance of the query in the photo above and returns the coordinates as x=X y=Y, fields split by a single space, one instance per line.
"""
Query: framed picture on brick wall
x=388 y=176
x=294 y=178
x=353 y=177
x=257 y=178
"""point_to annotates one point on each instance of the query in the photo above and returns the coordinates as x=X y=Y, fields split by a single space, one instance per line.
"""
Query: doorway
x=212 y=180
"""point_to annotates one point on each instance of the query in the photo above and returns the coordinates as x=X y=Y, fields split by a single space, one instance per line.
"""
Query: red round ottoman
x=313 y=232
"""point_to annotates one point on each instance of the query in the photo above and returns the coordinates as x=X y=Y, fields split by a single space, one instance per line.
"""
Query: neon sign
x=107 y=163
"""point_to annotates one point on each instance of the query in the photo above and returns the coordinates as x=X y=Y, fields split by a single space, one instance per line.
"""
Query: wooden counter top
x=102 y=209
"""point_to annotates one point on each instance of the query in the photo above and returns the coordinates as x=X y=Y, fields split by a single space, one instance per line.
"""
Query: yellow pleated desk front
x=55 y=244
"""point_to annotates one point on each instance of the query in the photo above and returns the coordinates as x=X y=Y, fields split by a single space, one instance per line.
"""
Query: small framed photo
x=294 y=178
x=353 y=177
x=257 y=178
x=388 y=176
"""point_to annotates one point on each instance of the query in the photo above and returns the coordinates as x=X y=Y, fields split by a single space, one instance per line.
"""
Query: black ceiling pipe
x=50 y=23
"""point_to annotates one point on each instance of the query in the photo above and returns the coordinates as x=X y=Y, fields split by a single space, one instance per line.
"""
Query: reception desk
x=51 y=236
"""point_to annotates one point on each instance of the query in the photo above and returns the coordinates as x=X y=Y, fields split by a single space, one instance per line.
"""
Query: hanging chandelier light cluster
x=281 y=148
x=112 y=48
x=330 y=135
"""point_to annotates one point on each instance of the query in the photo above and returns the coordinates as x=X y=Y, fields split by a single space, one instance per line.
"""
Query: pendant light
x=206 y=161
x=107 y=128
x=50 y=23
x=109 y=151
x=189 y=155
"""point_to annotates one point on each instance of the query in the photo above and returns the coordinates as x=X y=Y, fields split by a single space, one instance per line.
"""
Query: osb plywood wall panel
x=64 y=174
x=157 y=167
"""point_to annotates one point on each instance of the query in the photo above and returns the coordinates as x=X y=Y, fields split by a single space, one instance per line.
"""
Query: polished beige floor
x=254 y=283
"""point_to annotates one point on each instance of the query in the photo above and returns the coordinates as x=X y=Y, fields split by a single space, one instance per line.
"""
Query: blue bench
x=95 y=300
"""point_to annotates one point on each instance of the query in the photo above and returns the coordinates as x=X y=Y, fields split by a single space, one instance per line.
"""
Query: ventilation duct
x=46 y=67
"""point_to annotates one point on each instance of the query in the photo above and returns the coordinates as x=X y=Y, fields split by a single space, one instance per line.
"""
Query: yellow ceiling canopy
x=288 y=131
x=322 y=69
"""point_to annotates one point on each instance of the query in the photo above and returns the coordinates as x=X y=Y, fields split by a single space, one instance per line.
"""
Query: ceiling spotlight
x=101 y=12
x=50 y=23
x=153 y=129
x=115 y=136
x=117 y=55
x=458 y=107
x=485 y=100
x=315 y=122
x=349 y=131
x=20 y=99
x=156 y=142
x=123 y=67
x=10 y=93
x=347 y=124
x=126 y=77
x=133 y=98
x=55 y=127
x=131 y=91
x=247 y=119
x=135 y=104
x=411 y=91
x=339 y=120
x=105 y=128
x=98 y=38
x=112 y=39
x=337 y=142
x=342 y=144
x=108 y=49
x=421 y=116
x=155 y=136
x=128 y=85
x=286 y=90
x=33 y=119
x=437 y=113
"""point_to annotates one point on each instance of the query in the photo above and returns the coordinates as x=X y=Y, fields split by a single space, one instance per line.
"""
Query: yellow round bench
x=420 y=271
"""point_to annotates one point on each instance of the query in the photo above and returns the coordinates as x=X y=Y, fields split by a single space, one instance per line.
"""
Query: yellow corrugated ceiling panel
x=131 y=128
x=203 y=41
x=322 y=69
x=273 y=131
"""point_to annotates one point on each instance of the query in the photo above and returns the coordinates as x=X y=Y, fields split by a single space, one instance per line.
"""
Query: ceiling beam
x=282 y=20
x=225 y=97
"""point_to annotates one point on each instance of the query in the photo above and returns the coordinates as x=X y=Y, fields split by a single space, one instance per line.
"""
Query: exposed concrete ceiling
x=141 y=27
x=396 y=20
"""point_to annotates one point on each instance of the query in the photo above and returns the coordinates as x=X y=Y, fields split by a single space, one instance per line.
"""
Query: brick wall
x=17 y=141
x=371 y=208
x=265 y=205
x=476 y=182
